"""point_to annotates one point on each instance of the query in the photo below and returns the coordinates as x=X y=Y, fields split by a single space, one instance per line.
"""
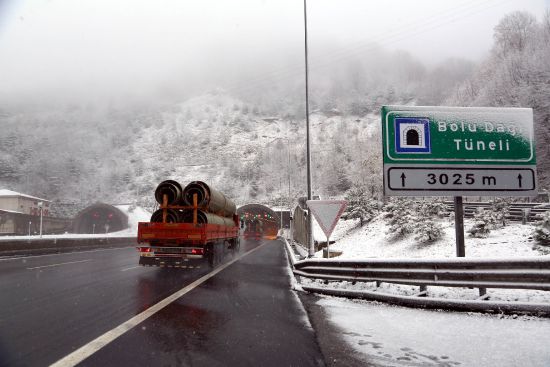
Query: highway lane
x=50 y=305
x=244 y=316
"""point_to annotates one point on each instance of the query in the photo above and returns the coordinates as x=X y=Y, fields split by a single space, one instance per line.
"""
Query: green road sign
x=458 y=151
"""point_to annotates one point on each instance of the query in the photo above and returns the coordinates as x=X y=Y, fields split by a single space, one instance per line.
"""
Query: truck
x=194 y=226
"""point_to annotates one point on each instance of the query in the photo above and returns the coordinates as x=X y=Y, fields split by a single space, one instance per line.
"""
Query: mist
x=105 y=52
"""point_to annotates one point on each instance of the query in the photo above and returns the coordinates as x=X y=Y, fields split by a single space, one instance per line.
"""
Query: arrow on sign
x=403 y=177
x=519 y=179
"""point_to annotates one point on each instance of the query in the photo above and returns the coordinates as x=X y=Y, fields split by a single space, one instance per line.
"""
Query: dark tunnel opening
x=258 y=221
x=100 y=218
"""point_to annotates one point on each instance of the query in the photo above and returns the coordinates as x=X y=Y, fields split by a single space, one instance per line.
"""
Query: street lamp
x=281 y=210
x=308 y=144
x=41 y=205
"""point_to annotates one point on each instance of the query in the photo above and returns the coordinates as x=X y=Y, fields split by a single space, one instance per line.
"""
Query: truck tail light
x=197 y=251
x=144 y=249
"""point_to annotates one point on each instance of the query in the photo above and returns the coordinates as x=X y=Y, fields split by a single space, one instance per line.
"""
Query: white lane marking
x=133 y=267
x=65 y=253
x=87 y=350
x=52 y=265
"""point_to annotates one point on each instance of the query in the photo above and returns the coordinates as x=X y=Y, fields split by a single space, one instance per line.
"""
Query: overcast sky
x=82 y=47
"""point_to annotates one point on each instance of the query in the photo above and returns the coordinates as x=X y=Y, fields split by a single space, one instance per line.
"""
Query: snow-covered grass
x=387 y=335
x=372 y=240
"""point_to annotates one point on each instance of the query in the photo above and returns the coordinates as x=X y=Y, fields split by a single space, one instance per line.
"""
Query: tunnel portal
x=258 y=221
x=100 y=218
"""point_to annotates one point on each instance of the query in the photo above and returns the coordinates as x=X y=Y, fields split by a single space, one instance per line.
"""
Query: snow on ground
x=396 y=336
x=135 y=215
x=371 y=241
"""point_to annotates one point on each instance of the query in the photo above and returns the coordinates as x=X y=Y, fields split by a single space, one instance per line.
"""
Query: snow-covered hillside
x=250 y=156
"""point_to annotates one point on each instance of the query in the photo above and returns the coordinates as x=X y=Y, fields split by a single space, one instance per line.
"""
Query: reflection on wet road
x=53 y=305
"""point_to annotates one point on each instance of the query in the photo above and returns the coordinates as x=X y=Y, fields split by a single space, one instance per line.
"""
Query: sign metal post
x=459 y=227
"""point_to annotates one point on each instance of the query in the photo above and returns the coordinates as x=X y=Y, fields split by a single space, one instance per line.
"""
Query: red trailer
x=186 y=245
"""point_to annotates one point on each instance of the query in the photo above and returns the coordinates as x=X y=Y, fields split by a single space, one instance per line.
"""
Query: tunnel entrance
x=413 y=138
x=258 y=221
x=100 y=218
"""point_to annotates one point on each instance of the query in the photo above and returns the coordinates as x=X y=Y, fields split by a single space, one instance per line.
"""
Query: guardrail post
x=378 y=283
x=423 y=291
x=525 y=217
x=483 y=294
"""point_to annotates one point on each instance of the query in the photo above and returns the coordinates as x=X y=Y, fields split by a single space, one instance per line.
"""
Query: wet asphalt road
x=244 y=315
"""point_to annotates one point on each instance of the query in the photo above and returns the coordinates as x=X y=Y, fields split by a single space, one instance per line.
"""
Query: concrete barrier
x=40 y=246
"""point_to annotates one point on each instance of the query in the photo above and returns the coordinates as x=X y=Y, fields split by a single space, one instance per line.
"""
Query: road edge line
x=101 y=341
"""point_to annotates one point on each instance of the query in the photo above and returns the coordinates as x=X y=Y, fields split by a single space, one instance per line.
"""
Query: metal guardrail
x=521 y=212
x=541 y=309
x=533 y=273
x=526 y=273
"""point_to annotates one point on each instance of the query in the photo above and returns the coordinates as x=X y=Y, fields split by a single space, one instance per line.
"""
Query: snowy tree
x=514 y=31
x=360 y=205
x=542 y=230
x=400 y=214
x=428 y=230
x=516 y=74
x=433 y=208
x=484 y=222
x=337 y=181
x=501 y=209
x=407 y=217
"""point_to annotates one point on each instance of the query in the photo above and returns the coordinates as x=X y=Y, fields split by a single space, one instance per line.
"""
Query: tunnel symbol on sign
x=412 y=135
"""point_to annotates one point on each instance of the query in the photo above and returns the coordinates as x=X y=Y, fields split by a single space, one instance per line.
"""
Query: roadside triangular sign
x=327 y=213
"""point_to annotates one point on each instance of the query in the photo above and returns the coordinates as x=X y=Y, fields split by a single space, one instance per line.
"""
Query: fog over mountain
x=111 y=111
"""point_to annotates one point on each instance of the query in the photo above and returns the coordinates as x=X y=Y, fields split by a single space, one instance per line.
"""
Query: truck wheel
x=210 y=255
x=220 y=250
x=215 y=254
x=237 y=245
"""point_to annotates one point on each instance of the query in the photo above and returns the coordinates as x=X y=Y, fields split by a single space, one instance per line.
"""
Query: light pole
x=281 y=210
x=93 y=228
x=308 y=145
x=30 y=228
x=41 y=206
